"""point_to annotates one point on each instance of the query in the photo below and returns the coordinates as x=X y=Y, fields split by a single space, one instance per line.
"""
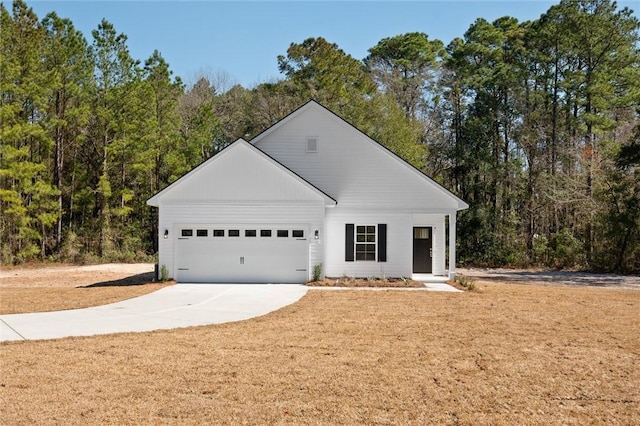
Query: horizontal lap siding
x=370 y=186
x=351 y=168
x=311 y=216
x=399 y=245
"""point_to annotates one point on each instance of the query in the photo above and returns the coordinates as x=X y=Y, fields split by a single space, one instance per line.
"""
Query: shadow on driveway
x=139 y=279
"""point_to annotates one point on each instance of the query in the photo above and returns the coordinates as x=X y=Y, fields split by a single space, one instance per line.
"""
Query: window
x=312 y=144
x=218 y=232
x=362 y=241
x=202 y=233
x=187 y=232
x=249 y=232
x=366 y=242
x=283 y=233
x=297 y=233
x=265 y=232
x=234 y=232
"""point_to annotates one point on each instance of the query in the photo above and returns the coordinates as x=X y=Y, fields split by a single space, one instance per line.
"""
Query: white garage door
x=251 y=254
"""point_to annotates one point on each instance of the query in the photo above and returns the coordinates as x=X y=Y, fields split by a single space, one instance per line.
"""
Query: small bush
x=464 y=282
x=316 y=272
x=164 y=273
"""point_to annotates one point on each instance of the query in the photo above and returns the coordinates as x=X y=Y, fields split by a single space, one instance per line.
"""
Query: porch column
x=452 y=245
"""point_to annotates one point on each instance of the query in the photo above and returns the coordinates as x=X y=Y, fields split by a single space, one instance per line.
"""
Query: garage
x=274 y=253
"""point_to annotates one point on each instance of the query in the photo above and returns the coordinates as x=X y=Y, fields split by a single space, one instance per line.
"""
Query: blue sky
x=244 y=38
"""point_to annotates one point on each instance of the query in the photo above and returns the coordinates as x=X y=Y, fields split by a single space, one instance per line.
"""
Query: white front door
x=242 y=254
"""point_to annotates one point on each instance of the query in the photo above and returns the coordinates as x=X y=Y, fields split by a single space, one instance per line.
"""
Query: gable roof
x=255 y=175
x=314 y=105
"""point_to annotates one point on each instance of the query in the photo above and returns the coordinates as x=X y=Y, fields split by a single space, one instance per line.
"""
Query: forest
x=535 y=124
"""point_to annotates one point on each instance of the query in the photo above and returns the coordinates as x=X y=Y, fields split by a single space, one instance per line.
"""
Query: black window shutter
x=348 y=242
x=382 y=242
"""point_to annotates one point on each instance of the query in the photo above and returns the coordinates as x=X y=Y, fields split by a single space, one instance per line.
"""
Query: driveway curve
x=180 y=305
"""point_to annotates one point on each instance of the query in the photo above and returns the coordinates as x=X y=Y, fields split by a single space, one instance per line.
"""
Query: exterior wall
x=370 y=185
x=356 y=171
x=399 y=243
x=240 y=173
x=310 y=216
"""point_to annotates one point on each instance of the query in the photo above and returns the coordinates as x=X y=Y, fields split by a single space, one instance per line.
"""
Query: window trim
x=370 y=250
x=350 y=241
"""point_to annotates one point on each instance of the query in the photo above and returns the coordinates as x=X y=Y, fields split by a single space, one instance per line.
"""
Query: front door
x=422 y=250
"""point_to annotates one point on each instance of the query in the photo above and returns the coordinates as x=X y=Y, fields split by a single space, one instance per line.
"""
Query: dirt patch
x=552 y=278
x=363 y=282
x=510 y=354
x=24 y=290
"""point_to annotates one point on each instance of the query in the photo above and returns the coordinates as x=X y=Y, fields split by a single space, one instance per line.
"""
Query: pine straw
x=366 y=282
x=510 y=354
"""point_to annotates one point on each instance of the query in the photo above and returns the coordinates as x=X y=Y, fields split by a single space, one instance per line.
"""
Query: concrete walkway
x=182 y=305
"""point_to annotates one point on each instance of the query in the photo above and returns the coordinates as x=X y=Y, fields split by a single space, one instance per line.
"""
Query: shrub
x=464 y=282
x=566 y=250
x=316 y=272
x=164 y=273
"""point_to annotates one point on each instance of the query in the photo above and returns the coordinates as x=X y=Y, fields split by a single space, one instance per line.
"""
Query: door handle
x=242 y=260
x=431 y=252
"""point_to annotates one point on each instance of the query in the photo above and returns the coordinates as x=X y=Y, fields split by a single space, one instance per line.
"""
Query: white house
x=310 y=190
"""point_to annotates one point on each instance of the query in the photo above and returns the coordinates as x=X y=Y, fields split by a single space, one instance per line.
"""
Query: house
x=310 y=190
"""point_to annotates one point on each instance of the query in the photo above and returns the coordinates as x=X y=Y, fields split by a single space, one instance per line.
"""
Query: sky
x=242 y=39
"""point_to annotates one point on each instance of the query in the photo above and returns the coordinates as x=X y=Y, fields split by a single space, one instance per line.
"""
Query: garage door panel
x=242 y=259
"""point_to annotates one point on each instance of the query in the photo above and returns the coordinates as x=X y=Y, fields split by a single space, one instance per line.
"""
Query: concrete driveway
x=182 y=305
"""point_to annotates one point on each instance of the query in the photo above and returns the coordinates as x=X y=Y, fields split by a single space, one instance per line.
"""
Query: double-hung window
x=366 y=242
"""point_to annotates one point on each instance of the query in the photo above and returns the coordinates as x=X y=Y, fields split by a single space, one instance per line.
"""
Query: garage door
x=252 y=254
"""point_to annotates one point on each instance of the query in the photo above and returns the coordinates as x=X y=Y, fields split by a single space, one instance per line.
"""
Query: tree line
x=535 y=124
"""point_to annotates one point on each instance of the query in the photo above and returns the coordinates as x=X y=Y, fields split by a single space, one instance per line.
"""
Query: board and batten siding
x=309 y=216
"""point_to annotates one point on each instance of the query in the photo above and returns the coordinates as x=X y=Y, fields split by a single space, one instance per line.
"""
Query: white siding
x=399 y=245
x=310 y=216
x=370 y=185
x=350 y=167
x=237 y=174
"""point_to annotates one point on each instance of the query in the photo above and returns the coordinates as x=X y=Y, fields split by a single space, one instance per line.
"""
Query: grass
x=510 y=354
x=60 y=288
x=18 y=300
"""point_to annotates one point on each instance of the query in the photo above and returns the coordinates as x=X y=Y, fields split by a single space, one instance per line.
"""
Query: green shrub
x=164 y=273
x=565 y=250
x=316 y=272
x=464 y=282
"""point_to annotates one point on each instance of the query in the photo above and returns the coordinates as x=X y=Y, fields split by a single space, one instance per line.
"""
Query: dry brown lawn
x=506 y=354
x=24 y=290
